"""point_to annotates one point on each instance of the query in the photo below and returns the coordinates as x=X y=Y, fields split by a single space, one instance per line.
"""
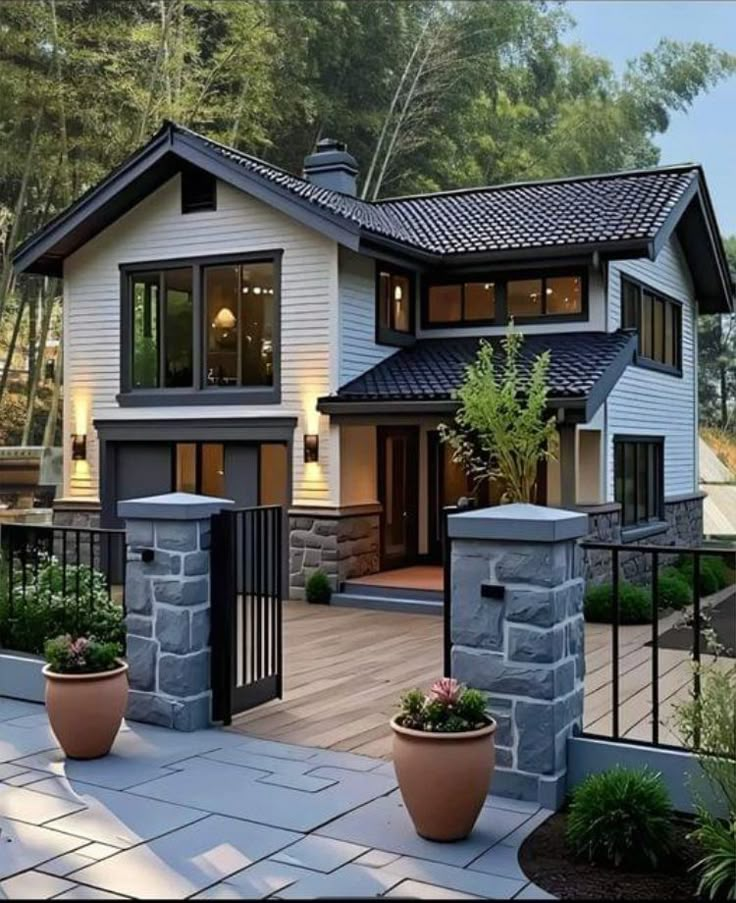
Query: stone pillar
x=518 y=634
x=167 y=599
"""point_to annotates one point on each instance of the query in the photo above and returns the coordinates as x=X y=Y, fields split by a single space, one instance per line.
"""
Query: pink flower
x=446 y=690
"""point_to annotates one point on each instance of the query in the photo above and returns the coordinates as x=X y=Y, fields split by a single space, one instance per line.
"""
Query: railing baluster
x=279 y=606
x=696 y=642
x=615 y=645
x=655 y=648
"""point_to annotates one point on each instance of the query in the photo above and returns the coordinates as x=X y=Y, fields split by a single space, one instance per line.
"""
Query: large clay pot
x=85 y=710
x=444 y=778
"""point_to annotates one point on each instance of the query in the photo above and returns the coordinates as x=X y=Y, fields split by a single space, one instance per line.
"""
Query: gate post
x=167 y=602
x=518 y=634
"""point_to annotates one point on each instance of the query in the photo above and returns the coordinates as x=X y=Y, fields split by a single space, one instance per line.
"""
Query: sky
x=621 y=29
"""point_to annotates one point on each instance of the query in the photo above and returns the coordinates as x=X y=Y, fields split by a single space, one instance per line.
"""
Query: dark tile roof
x=620 y=207
x=432 y=368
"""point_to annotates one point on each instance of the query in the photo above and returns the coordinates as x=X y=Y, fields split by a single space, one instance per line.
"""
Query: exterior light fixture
x=311 y=448
x=79 y=447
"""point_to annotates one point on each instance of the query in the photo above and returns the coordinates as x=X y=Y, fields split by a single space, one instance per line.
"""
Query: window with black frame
x=394 y=301
x=639 y=480
x=162 y=329
x=658 y=322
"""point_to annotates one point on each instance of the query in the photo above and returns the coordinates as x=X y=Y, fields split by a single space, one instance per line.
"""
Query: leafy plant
x=718 y=866
x=318 y=589
x=501 y=430
x=635 y=604
x=674 y=591
x=54 y=599
x=449 y=707
x=707 y=723
x=82 y=655
x=621 y=818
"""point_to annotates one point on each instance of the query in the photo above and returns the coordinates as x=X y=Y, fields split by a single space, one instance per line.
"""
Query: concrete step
x=384 y=602
x=355 y=588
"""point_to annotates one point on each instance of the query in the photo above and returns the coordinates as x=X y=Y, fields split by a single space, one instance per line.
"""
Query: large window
x=394 y=297
x=658 y=322
x=162 y=329
x=239 y=305
x=528 y=297
x=209 y=324
x=639 y=480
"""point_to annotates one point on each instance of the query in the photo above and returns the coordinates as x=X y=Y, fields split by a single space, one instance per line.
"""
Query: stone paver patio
x=218 y=815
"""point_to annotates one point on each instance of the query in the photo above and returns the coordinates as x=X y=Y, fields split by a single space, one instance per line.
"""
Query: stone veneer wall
x=684 y=517
x=67 y=514
x=168 y=623
x=341 y=545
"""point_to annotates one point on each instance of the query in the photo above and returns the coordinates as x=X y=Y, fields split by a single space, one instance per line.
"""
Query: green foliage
x=707 y=723
x=714 y=574
x=318 y=589
x=57 y=600
x=501 y=429
x=81 y=656
x=635 y=604
x=674 y=590
x=621 y=818
x=717 y=868
x=449 y=707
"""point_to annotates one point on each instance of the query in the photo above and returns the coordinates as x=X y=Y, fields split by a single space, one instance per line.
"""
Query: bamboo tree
x=49 y=433
x=10 y=352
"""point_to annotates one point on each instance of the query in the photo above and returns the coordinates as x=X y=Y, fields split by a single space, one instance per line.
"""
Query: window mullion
x=161 y=330
x=198 y=330
x=239 y=308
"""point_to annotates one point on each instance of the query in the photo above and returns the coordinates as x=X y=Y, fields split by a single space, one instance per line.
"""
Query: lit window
x=394 y=301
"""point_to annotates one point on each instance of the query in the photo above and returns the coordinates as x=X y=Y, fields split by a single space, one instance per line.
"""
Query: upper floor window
x=209 y=324
x=528 y=297
x=639 y=479
x=658 y=322
x=198 y=190
x=394 y=297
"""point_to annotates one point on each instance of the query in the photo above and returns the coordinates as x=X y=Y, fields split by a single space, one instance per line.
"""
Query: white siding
x=656 y=404
x=155 y=229
x=357 y=289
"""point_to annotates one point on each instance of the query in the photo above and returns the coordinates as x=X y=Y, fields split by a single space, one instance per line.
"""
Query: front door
x=398 y=491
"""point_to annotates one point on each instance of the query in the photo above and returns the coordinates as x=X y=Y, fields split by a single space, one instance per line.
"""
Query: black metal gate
x=246 y=574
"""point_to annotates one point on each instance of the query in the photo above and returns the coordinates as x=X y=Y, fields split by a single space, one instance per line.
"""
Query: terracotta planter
x=444 y=778
x=85 y=710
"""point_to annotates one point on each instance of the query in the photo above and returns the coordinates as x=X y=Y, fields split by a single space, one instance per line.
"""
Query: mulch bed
x=547 y=862
x=722 y=619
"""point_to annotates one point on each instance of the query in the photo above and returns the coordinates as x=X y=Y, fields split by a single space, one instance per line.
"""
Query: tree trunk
x=49 y=432
x=35 y=375
x=11 y=345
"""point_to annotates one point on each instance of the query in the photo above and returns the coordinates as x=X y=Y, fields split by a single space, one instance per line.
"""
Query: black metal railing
x=247 y=556
x=56 y=579
x=692 y=619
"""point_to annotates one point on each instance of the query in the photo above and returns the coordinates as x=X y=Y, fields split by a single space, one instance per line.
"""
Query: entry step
x=389 y=598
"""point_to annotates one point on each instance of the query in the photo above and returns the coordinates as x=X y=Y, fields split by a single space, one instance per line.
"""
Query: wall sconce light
x=79 y=447
x=311 y=448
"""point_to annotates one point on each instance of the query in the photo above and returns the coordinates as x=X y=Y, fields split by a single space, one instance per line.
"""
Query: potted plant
x=86 y=694
x=444 y=756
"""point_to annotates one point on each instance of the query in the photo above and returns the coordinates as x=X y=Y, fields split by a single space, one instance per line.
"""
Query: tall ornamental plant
x=501 y=430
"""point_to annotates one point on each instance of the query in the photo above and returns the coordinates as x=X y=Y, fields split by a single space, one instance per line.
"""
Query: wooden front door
x=398 y=491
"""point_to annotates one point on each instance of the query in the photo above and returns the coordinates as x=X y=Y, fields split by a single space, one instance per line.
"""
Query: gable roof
x=584 y=367
x=618 y=214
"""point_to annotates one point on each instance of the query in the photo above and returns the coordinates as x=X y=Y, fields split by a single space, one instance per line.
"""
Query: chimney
x=331 y=166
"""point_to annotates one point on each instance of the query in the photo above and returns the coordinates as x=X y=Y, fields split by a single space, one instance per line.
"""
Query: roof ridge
x=603 y=176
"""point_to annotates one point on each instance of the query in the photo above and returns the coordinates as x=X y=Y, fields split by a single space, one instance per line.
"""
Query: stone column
x=518 y=634
x=167 y=599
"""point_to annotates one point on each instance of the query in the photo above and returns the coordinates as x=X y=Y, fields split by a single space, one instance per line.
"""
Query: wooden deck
x=346 y=667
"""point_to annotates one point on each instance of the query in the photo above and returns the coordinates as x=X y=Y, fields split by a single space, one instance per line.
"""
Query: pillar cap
x=518 y=523
x=173 y=506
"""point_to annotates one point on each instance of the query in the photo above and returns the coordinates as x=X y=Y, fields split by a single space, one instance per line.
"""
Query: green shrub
x=621 y=818
x=80 y=656
x=674 y=590
x=717 y=868
x=714 y=574
x=318 y=588
x=635 y=604
x=57 y=600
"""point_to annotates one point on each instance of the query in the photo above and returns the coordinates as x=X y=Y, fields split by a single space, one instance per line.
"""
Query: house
x=236 y=330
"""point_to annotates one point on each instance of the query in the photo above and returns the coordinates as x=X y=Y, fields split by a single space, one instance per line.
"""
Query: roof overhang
x=142 y=173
